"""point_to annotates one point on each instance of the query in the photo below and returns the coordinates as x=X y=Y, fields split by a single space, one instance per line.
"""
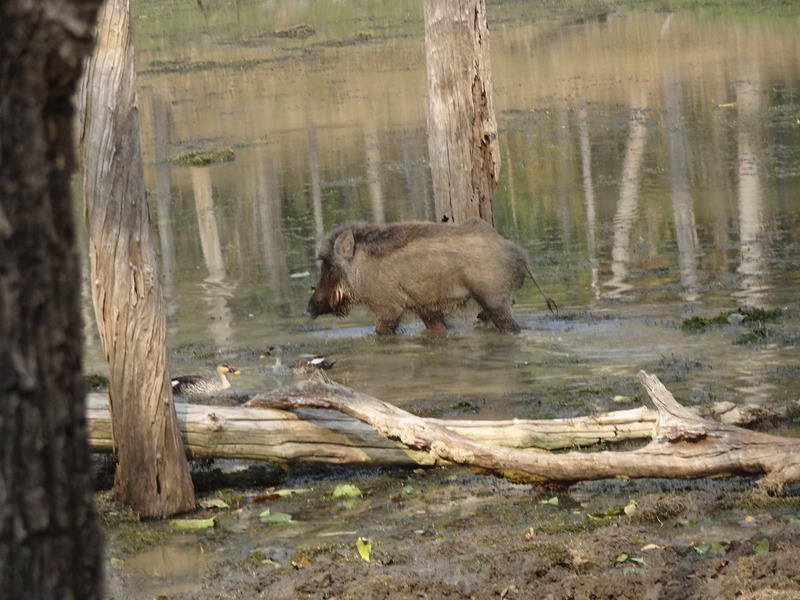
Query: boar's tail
x=551 y=304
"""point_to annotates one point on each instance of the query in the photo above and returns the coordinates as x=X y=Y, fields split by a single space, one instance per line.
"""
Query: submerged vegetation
x=755 y=318
x=699 y=324
x=202 y=158
x=742 y=315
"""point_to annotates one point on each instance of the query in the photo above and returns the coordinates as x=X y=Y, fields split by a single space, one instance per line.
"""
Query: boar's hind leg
x=501 y=317
x=433 y=320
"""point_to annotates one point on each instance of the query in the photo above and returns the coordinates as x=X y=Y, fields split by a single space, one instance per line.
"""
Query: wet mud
x=449 y=533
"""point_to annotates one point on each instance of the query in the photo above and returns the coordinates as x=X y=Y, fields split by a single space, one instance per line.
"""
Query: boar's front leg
x=385 y=326
x=387 y=318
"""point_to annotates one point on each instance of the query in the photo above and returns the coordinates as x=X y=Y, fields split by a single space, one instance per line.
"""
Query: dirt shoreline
x=449 y=533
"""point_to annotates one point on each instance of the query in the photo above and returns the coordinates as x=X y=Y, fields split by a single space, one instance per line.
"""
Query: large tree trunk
x=50 y=542
x=462 y=131
x=152 y=474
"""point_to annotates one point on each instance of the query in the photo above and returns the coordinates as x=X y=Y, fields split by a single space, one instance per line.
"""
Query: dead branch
x=683 y=445
x=363 y=429
x=270 y=434
x=308 y=434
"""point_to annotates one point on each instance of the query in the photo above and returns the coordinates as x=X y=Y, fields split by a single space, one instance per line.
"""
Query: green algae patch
x=202 y=158
x=757 y=335
x=700 y=324
x=740 y=316
x=758 y=315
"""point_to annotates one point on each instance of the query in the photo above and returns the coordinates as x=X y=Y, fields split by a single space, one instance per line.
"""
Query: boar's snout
x=315 y=308
x=330 y=296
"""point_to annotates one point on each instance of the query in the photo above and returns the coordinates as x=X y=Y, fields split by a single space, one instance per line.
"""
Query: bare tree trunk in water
x=50 y=543
x=462 y=131
x=152 y=472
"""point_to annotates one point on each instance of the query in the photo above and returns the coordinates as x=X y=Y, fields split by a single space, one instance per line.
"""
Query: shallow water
x=649 y=166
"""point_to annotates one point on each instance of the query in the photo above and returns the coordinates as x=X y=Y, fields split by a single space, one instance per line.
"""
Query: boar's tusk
x=337 y=297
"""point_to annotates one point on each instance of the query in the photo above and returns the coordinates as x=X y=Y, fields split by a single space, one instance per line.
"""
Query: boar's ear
x=345 y=245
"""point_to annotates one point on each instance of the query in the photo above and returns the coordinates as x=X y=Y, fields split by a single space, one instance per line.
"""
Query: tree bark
x=683 y=445
x=462 y=131
x=50 y=541
x=152 y=474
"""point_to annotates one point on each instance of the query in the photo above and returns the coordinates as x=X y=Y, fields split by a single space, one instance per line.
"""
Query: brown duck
x=305 y=365
x=197 y=384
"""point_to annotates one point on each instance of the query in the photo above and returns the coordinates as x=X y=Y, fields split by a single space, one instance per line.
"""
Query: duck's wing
x=183 y=383
x=311 y=363
x=321 y=362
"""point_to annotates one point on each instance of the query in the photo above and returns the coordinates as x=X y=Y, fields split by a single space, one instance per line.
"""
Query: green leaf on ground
x=615 y=512
x=346 y=490
x=364 y=547
x=292 y=491
x=624 y=399
x=214 y=503
x=719 y=548
x=278 y=517
x=762 y=548
x=193 y=523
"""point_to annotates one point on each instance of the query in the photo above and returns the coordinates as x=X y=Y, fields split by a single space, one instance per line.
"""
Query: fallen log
x=271 y=434
x=683 y=445
x=329 y=436
x=315 y=434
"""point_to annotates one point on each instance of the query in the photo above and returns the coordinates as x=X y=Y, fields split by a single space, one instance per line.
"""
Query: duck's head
x=272 y=351
x=222 y=369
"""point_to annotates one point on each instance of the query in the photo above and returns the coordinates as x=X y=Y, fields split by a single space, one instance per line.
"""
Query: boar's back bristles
x=380 y=240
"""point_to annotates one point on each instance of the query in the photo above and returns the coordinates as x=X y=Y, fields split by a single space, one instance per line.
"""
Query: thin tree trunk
x=462 y=131
x=50 y=541
x=152 y=475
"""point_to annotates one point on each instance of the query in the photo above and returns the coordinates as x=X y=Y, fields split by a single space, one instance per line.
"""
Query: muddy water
x=649 y=166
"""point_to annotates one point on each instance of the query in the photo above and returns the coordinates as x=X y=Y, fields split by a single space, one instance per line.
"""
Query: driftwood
x=363 y=429
x=683 y=445
x=271 y=434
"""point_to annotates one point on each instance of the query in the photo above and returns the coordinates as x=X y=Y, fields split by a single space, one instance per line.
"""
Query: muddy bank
x=449 y=533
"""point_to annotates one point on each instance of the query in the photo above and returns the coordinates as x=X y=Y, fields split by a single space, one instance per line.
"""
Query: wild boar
x=425 y=268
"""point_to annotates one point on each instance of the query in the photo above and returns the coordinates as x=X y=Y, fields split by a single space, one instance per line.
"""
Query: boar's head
x=333 y=293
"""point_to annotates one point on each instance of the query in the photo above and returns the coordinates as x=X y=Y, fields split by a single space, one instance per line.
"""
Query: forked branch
x=683 y=444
